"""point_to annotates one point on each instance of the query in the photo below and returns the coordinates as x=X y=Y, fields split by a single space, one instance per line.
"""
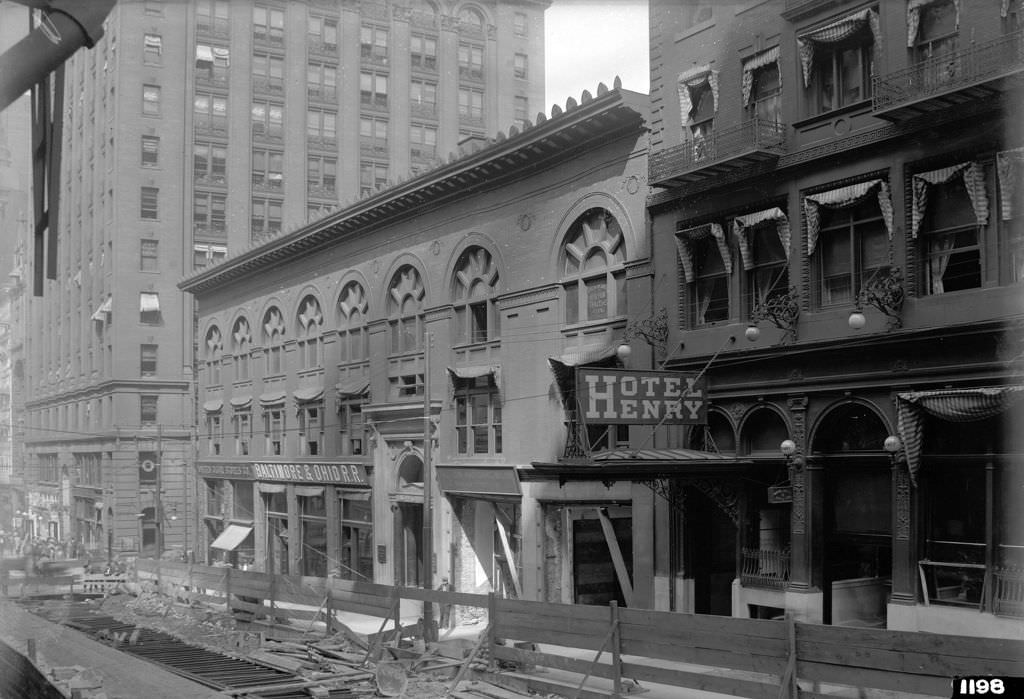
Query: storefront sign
x=617 y=396
x=349 y=474
x=780 y=494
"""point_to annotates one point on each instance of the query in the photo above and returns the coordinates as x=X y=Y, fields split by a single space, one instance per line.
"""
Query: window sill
x=495 y=343
x=863 y=105
x=593 y=324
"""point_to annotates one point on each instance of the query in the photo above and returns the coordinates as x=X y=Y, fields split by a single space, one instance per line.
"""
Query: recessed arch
x=717 y=436
x=853 y=426
x=762 y=431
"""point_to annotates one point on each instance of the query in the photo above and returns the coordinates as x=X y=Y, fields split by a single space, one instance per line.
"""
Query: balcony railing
x=765 y=568
x=938 y=75
x=746 y=142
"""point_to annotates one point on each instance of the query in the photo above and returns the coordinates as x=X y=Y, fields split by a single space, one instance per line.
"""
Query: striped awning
x=974 y=180
x=687 y=235
x=914 y=18
x=841 y=198
x=951 y=405
x=104 y=310
x=690 y=80
x=741 y=225
x=833 y=33
x=564 y=367
x=476 y=372
x=758 y=60
x=1010 y=170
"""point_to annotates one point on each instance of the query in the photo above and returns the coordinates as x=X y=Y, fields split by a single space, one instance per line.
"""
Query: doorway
x=709 y=554
x=595 y=578
x=409 y=570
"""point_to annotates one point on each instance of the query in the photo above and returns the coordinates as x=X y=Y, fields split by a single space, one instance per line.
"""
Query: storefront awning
x=231 y=538
x=640 y=465
x=478 y=480
x=351 y=387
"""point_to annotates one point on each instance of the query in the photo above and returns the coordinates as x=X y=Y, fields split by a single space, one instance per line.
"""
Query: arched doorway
x=409 y=564
x=857 y=509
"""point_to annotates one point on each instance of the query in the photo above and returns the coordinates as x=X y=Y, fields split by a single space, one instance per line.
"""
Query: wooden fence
x=741 y=657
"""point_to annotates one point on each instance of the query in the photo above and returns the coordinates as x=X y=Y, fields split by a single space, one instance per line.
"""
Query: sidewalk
x=124 y=676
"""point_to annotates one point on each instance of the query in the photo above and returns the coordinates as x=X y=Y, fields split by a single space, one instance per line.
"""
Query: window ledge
x=495 y=343
x=864 y=105
x=610 y=322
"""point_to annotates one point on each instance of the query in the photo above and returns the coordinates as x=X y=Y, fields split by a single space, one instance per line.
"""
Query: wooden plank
x=721 y=640
x=549 y=610
x=257 y=609
x=934 y=664
x=704 y=656
x=668 y=622
x=250 y=588
x=553 y=661
x=381 y=603
x=356 y=608
x=542 y=625
x=621 y=572
x=914 y=642
x=874 y=679
x=509 y=558
x=440 y=597
x=526 y=629
x=768 y=689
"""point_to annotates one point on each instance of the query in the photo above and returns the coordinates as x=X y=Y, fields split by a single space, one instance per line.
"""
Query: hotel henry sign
x=623 y=397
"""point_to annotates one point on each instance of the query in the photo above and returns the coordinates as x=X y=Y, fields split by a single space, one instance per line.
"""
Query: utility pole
x=428 y=495
x=158 y=500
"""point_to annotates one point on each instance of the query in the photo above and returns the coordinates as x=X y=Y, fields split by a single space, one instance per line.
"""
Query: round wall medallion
x=632 y=184
x=525 y=221
x=841 y=126
x=435 y=247
x=376 y=266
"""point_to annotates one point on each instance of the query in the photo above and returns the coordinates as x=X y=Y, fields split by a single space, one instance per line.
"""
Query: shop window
x=477 y=416
x=242 y=500
x=356 y=559
x=474 y=289
x=852 y=246
x=278 y=536
x=313 y=532
x=593 y=275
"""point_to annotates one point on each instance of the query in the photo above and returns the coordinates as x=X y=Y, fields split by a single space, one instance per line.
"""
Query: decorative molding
x=738 y=410
x=798 y=415
x=799 y=517
x=524 y=221
x=725 y=494
x=528 y=297
x=639 y=268
x=902 y=488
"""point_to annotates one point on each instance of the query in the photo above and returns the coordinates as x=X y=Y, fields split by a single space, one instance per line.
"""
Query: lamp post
x=428 y=496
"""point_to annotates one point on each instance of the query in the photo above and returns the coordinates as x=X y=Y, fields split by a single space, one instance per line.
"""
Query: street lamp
x=892 y=444
x=623 y=352
x=793 y=457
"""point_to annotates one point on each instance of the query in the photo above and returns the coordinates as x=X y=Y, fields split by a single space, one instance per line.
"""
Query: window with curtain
x=593 y=274
x=702 y=119
x=711 y=282
x=768 y=275
x=852 y=245
x=950 y=240
x=766 y=93
x=837 y=61
x=474 y=287
x=405 y=310
x=935 y=45
x=477 y=416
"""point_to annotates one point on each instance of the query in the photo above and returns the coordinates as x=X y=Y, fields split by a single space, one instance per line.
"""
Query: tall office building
x=192 y=130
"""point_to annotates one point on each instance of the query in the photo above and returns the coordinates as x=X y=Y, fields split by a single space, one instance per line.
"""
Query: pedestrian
x=445 y=618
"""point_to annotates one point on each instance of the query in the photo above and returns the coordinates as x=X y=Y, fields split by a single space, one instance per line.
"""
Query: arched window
x=471 y=19
x=763 y=432
x=273 y=340
x=214 y=350
x=473 y=291
x=852 y=427
x=241 y=337
x=717 y=436
x=352 y=313
x=593 y=272
x=405 y=310
x=310 y=326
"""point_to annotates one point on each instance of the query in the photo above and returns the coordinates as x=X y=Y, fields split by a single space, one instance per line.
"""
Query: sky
x=591 y=41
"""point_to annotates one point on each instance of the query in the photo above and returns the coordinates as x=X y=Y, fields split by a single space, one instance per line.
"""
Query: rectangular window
x=372 y=176
x=273 y=419
x=522 y=111
x=423 y=141
x=951 y=240
x=321 y=174
x=267 y=168
x=373 y=44
x=149 y=255
x=471 y=103
x=373 y=90
x=353 y=427
x=242 y=424
x=151 y=100
x=147 y=360
x=311 y=429
x=766 y=93
x=268 y=26
x=408 y=386
x=322 y=126
x=206 y=254
x=323 y=34
x=423 y=96
x=471 y=61
x=267 y=120
x=842 y=72
x=148 y=198
x=710 y=301
x=209 y=212
x=322 y=82
x=149 y=308
x=423 y=51
x=210 y=114
x=148 y=414
x=373 y=134
x=519 y=65
x=477 y=416
x=152 y=49
x=519 y=25
x=768 y=276
x=266 y=216
x=212 y=16
x=936 y=38
x=268 y=73
x=214 y=433
x=209 y=163
x=150 y=151
x=852 y=245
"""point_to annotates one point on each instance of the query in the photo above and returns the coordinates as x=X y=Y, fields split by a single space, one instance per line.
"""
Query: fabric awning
x=951 y=405
x=241 y=401
x=1010 y=171
x=271 y=398
x=149 y=302
x=974 y=180
x=355 y=386
x=914 y=18
x=758 y=60
x=686 y=235
x=643 y=464
x=204 y=53
x=213 y=406
x=222 y=55
x=841 y=198
x=741 y=225
x=309 y=491
x=308 y=394
x=564 y=367
x=104 y=310
x=833 y=33
x=271 y=487
x=690 y=80
x=478 y=480
x=231 y=538
x=476 y=372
